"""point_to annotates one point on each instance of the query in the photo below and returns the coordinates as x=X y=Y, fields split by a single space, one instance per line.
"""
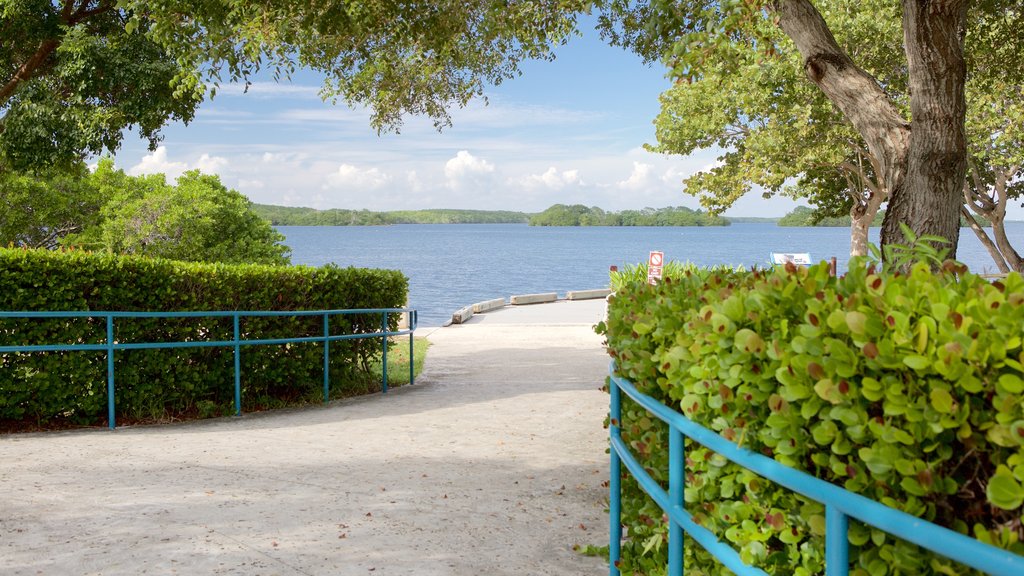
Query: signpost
x=654 y=264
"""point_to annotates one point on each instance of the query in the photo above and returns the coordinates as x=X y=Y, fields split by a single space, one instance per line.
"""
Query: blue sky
x=569 y=131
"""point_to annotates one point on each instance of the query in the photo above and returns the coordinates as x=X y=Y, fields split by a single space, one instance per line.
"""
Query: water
x=453 y=265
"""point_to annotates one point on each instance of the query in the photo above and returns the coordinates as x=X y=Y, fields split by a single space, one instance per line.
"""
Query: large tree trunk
x=921 y=170
x=929 y=202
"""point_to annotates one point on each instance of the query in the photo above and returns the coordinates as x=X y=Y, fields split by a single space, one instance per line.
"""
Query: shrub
x=905 y=388
x=53 y=388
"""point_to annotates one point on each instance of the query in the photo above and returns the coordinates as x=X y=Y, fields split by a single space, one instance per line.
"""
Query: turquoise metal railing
x=111 y=345
x=840 y=504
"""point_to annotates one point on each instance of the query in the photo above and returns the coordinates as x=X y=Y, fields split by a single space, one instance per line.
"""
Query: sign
x=801 y=259
x=654 y=264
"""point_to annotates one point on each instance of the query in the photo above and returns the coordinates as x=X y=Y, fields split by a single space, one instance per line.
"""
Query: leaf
x=916 y=362
x=1004 y=491
x=941 y=400
x=829 y=391
x=856 y=321
x=1011 y=383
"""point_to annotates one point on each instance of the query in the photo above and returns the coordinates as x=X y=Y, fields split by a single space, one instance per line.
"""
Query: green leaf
x=1004 y=491
x=941 y=400
x=1011 y=383
x=917 y=362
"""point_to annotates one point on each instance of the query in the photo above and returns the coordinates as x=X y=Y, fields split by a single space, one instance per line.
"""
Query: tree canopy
x=73 y=79
x=580 y=215
x=911 y=124
x=198 y=219
x=75 y=73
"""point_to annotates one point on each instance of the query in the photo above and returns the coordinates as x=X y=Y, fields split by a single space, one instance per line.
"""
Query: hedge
x=906 y=388
x=69 y=388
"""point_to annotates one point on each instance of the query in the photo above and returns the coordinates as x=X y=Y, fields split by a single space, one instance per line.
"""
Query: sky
x=569 y=131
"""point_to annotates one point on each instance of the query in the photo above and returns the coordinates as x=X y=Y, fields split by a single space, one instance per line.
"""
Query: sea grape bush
x=906 y=388
x=61 y=388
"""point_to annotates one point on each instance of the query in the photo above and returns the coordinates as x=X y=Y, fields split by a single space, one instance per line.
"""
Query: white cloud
x=349 y=176
x=639 y=179
x=465 y=169
x=552 y=179
x=158 y=163
x=269 y=89
x=211 y=164
x=414 y=182
x=244 y=185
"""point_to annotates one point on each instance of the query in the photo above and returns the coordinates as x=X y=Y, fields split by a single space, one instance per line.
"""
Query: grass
x=398 y=360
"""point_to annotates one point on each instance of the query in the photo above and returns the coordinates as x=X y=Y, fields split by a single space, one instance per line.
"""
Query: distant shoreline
x=300 y=216
x=557 y=215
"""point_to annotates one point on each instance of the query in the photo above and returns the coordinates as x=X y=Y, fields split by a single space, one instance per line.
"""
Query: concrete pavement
x=493 y=463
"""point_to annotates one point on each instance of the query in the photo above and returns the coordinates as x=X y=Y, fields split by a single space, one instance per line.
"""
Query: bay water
x=454 y=265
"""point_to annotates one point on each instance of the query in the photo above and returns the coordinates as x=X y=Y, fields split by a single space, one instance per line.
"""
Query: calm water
x=452 y=265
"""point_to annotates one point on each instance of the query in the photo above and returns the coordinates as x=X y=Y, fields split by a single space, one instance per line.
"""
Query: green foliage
x=905 y=388
x=290 y=216
x=73 y=81
x=59 y=388
x=900 y=257
x=802 y=216
x=579 y=215
x=198 y=219
x=38 y=209
x=75 y=75
x=398 y=360
x=394 y=58
x=631 y=276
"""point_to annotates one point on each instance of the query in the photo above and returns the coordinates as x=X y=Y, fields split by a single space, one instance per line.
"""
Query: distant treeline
x=804 y=216
x=579 y=215
x=288 y=216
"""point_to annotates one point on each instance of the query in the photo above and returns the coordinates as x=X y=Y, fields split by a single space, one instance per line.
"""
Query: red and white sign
x=654 y=263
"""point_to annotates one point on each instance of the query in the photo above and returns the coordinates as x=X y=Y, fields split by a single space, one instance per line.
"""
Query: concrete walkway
x=493 y=463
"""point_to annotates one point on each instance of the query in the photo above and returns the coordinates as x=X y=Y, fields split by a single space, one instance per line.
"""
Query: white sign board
x=800 y=259
x=654 y=264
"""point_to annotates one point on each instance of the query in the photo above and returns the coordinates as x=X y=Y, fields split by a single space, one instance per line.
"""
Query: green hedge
x=904 y=388
x=69 y=388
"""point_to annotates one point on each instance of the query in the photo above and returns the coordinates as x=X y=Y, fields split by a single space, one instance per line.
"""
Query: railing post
x=384 y=358
x=110 y=372
x=837 y=544
x=614 y=483
x=238 y=367
x=327 y=358
x=676 y=487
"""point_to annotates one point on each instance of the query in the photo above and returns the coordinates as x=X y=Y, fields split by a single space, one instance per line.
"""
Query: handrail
x=840 y=504
x=111 y=345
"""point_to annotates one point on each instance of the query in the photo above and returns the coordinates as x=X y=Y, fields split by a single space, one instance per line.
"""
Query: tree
x=777 y=130
x=198 y=219
x=995 y=129
x=919 y=163
x=39 y=210
x=72 y=79
x=758 y=108
x=75 y=73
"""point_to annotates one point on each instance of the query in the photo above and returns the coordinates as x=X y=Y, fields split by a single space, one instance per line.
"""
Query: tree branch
x=985 y=240
x=853 y=91
x=26 y=70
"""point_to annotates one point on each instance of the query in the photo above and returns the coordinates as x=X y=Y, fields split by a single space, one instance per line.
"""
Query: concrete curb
x=488 y=305
x=588 y=294
x=462 y=315
x=521 y=299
